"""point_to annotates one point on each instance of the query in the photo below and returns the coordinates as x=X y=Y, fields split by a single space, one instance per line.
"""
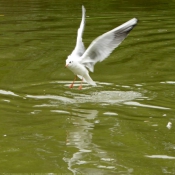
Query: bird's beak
x=66 y=65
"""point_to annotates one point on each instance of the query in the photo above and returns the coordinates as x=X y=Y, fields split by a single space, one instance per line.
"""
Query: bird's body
x=81 y=60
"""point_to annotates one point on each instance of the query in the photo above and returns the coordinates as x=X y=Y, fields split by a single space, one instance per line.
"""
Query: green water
x=118 y=127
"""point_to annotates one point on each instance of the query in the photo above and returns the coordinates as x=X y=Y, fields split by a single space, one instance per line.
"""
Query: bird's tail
x=87 y=79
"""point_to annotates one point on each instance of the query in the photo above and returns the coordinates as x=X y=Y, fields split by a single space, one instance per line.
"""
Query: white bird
x=80 y=61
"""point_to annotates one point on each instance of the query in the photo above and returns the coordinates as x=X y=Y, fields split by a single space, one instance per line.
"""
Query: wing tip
x=83 y=8
x=132 y=21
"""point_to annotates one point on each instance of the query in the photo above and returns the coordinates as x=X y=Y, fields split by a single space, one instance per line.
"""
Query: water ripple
x=108 y=97
x=4 y=92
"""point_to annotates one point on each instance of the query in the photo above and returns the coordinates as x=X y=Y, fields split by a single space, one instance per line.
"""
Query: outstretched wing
x=79 y=48
x=102 y=46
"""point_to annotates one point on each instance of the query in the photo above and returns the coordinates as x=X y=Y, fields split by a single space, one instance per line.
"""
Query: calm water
x=118 y=127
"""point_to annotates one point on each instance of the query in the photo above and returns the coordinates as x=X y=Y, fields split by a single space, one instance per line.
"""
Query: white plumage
x=99 y=49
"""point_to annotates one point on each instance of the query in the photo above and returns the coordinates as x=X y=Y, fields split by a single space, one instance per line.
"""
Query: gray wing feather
x=102 y=46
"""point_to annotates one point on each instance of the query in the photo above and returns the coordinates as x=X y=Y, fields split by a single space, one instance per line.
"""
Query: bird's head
x=69 y=62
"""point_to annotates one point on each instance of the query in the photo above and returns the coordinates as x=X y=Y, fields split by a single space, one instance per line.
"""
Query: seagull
x=81 y=61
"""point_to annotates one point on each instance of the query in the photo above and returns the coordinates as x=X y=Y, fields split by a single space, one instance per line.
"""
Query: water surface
x=125 y=125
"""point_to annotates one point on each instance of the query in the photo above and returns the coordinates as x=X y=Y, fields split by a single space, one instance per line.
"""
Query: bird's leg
x=71 y=86
x=80 y=87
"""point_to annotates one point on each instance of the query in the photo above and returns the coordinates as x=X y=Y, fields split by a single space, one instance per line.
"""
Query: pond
x=124 y=125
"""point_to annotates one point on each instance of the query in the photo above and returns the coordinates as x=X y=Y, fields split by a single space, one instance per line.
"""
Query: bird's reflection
x=87 y=157
x=80 y=137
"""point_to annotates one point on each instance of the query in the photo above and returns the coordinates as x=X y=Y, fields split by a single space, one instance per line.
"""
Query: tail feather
x=87 y=79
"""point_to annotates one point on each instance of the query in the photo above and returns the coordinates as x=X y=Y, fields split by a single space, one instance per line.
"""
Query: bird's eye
x=70 y=62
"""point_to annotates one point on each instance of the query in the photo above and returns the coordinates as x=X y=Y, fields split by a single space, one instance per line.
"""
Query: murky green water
x=118 y=127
